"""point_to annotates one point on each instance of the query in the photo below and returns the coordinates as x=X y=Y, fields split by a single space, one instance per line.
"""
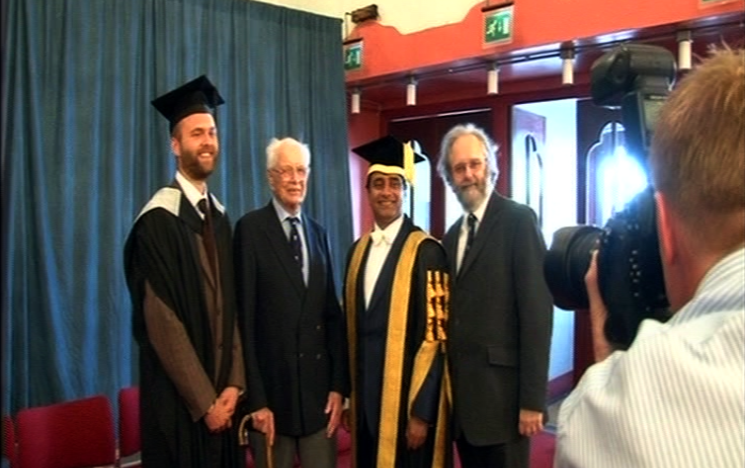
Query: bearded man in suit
x=500 y=310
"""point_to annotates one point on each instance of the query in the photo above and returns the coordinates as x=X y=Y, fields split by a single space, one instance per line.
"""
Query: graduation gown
x=169 y=277
x=397 y=351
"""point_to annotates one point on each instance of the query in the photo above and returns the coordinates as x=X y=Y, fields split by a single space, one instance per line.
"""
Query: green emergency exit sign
x=353 y=56
x=499 y=25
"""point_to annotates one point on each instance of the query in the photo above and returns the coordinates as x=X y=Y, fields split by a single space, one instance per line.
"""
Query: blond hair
x=697 y=156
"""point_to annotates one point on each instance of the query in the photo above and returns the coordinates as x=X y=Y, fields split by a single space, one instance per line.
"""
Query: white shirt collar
x=389 y=233
x=283 y=214
x=192 y=193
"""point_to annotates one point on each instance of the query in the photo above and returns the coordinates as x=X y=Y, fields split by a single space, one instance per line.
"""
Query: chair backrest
x=72 y=434
x=9 y=441
x=129 y=421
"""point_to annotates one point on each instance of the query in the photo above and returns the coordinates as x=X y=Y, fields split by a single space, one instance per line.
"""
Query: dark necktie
x=471 y=234
x=297 y=246
x=208 y=234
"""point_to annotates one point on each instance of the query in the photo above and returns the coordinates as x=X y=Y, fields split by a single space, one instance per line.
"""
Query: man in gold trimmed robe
x=396 y=305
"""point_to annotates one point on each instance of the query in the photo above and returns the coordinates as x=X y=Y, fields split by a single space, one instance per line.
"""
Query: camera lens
x=566 y=263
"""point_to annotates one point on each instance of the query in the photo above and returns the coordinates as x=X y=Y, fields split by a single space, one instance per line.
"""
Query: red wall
x=537 y=23
x=363 y=127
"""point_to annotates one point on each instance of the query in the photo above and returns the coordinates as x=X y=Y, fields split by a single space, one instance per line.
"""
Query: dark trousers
x=487 y=456
x=314 y=450
x=515 y=454
x=215 y=449
x=367 y=445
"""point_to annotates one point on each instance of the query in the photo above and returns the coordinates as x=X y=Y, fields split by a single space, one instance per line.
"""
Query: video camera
x=637 y=78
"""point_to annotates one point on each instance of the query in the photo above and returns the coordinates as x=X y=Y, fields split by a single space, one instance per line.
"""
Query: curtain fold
x=83 y=150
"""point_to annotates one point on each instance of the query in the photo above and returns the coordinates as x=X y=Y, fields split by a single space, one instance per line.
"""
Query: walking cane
x=269 y=453
x=243 y=440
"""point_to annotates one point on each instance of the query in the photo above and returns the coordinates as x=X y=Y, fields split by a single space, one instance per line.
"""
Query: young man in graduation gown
x=178 y=266
x=395 y=298
x=291 y=321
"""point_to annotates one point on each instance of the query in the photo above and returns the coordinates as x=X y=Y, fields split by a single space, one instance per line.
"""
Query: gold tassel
x=409 y=162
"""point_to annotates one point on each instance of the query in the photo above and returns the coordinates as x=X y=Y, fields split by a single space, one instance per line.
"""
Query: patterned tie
x=208 y=234
x=471 y=234
x=297 y=246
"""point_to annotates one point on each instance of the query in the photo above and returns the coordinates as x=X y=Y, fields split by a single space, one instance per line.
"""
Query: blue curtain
x=83 y=150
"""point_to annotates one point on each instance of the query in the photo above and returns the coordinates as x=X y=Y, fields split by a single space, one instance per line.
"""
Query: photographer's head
x=468 y=163
x=697 y=160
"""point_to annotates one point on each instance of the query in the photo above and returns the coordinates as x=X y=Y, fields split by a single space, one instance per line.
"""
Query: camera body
x=637 y=78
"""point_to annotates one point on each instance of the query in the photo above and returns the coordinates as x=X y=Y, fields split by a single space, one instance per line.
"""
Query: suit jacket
x=500 y=323
x=294 y=341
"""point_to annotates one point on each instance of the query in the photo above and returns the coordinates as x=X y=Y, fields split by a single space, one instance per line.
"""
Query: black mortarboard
x=196 y=96
x=387 y=155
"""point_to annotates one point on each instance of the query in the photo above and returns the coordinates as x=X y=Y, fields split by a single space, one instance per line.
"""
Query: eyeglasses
x=288 y=172
x=474 y=165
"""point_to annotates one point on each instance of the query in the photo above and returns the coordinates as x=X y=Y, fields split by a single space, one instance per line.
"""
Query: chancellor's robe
x=397 y=349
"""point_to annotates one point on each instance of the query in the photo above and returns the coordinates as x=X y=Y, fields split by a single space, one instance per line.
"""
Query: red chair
x=129 y=424
x=72 y=434
x=9 y=442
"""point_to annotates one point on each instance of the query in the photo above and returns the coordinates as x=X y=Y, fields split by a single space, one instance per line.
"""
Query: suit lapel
x=490 y=220
x=281 y=247
x=451 y=246
x=315 y=252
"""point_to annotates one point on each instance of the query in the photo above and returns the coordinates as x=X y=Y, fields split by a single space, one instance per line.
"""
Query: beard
x=195 y=167
x=472 y=195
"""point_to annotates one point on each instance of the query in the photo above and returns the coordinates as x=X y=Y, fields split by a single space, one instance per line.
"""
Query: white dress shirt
x=381 y=240
x=192 y=193
x=463 y=237
x=676 y=398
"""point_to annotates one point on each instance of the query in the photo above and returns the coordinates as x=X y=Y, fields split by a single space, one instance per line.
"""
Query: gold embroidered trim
x=394 y=351
x=350 y=302
x=435 y=337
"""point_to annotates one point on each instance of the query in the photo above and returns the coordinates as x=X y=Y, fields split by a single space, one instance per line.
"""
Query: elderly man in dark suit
x=500 y=310
x=291 y=320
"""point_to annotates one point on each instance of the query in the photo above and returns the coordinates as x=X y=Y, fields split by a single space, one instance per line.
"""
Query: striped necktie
x=297 y=246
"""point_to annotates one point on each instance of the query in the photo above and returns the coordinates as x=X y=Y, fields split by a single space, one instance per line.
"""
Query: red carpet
x=542 y=448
